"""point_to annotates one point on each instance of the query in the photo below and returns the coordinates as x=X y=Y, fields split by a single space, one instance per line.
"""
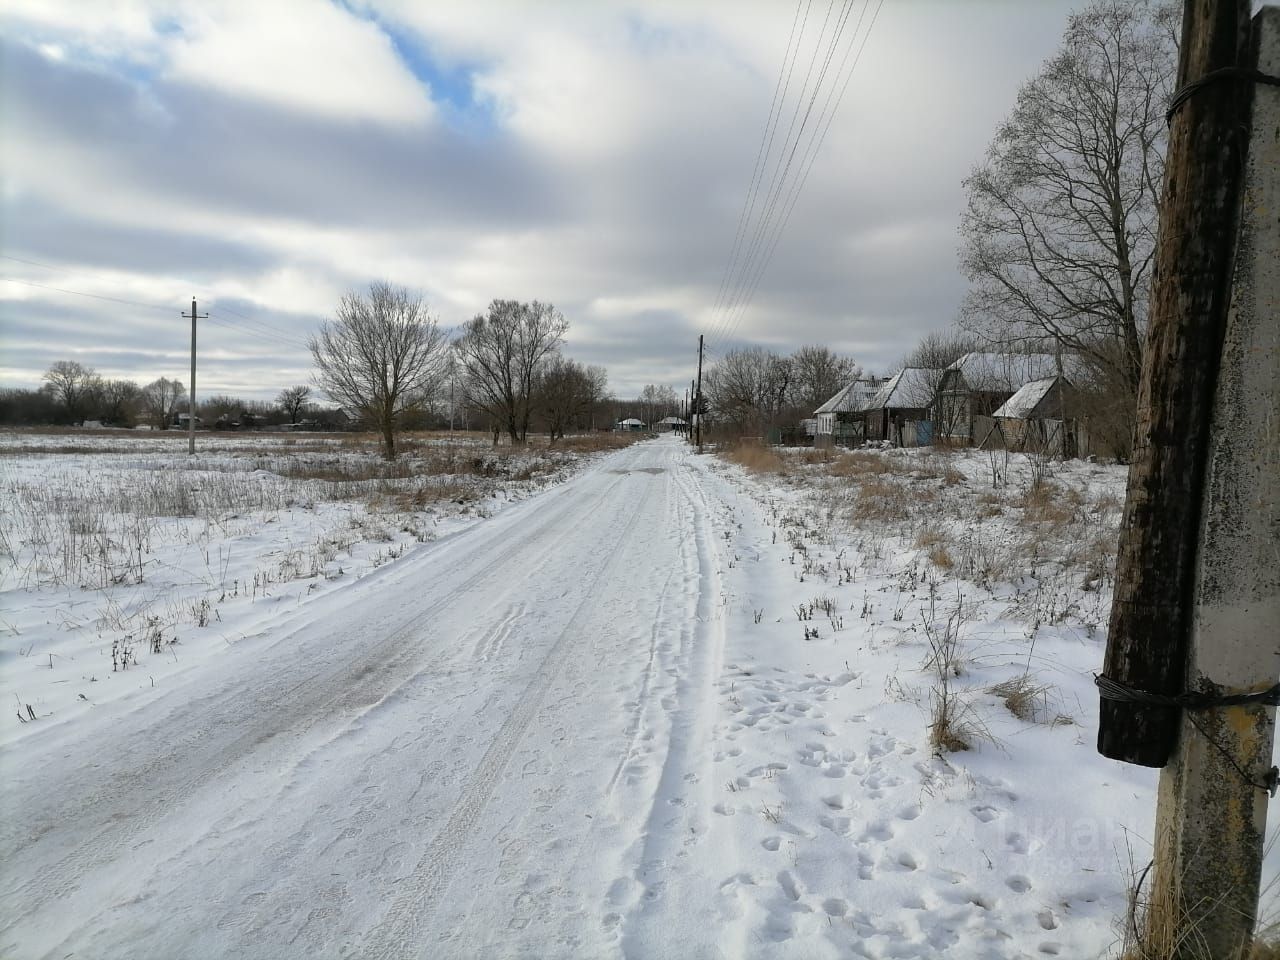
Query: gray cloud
x=606 y=175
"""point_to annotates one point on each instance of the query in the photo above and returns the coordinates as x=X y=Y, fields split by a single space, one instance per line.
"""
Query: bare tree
x=293 y=399
x=819 y=374
x=567 y=392
x=117 y=399
x=657 y=401
x=383 y=355
x=160 y=398
x=72 y=384
x=500 y=352
x=749 y=389
x=1059 y=230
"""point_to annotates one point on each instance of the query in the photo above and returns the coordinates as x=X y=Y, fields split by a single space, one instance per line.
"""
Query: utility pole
x=692 y=412
x=191 y=397
x=697 y=394
x=1190 y=677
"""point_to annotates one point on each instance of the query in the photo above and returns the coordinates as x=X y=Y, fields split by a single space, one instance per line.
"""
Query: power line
x=807 y=164
x=779 y=173
x=780 y=180
x=261 y=331
x=95 y=296
x=784 y=190
x=782 y=167
x=762 y=152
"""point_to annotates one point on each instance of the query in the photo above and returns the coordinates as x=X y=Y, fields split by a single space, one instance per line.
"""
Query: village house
x=902 y=409
x=970 y=390
x=839 y=420
x=1040 y=418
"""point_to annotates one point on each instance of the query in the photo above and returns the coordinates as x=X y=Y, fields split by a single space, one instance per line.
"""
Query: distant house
x=975 y=385
x=631 y=424
x=901 y=411
x=671 y=425
x=182 y=420
x=840 y=419
x=1040 y=417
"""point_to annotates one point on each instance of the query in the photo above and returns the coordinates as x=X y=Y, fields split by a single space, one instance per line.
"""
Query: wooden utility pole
x=1212 y=812
x=1191 y=288
x=1197 y=590
x=191 y=397
x=692 y=399
x=697 y=395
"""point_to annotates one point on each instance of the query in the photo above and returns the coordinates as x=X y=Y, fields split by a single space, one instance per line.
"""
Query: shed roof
x=910 y=388
x=674 y=421
x=1004 y=372
x=1025 y=403
x=852 y=398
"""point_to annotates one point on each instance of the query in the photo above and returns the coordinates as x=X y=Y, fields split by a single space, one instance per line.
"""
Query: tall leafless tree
x=293 y=399
x=1059 y=229
x=819 y=374
x=567 y=392
x=117 y=400
x=383 y=355
x=500 y=352
x=160 y=399
x=72 y=384
x=749 y=389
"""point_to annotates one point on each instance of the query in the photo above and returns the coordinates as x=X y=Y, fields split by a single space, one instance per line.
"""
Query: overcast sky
x=265 y=156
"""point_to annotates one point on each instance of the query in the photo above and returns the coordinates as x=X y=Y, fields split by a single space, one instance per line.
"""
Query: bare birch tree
x=500 y=353
x=1059 y=230
x=382 y=355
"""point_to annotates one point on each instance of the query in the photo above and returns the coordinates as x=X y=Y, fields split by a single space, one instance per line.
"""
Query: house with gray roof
x=840 y=419
x=976 y=384
x=901 y=412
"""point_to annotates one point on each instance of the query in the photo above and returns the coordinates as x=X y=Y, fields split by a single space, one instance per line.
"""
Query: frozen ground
x=662 y=709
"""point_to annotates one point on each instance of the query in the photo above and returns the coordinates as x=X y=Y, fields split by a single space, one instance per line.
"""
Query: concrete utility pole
x=191 y=398
x=1192 y=659
x=697 y=395
x=1212 y=812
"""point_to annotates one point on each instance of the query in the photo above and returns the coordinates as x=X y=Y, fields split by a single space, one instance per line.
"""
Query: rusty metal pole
x=1212 y=813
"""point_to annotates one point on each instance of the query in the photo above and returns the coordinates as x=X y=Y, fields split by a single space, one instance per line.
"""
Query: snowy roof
x=675 y=421
x=852 y=398
x=1023 y=404
x=632 y=421
x=909 y=388
x=1004 y=371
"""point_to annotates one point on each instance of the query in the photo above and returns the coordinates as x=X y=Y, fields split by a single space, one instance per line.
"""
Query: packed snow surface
x=585 y=726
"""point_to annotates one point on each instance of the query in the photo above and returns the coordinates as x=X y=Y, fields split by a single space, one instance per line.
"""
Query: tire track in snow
x=400 y=932
x=684 y=784
x=280 y=709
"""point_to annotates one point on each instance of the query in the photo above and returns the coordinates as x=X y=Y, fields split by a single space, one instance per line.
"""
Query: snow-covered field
x=641 y=704
x=124 y=562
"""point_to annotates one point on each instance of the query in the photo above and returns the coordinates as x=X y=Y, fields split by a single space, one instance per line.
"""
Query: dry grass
x=756 y=458
x=1157 y=927
x=954 y=726
x=1024 y=697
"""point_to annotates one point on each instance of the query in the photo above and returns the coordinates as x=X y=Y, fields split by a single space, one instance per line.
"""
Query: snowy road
x=499 y=746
